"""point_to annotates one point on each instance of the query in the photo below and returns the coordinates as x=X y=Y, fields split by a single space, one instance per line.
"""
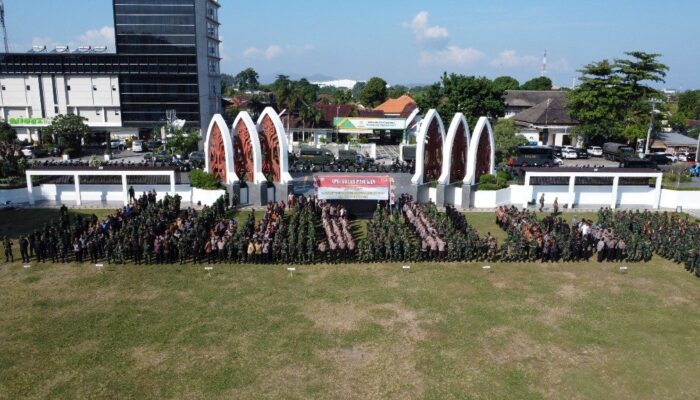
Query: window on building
x=94 y=87
x=29 y=88
x=55 y=109
x=68 y=88
x=114 y=88
x=3 y=87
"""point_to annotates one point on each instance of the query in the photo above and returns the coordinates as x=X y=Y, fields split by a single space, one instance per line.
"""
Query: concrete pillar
x=657 y=192
x=30 y=188
x=78 y=200
x=125 y=190
x=527 y=191
x=572 y=191
x=172 y=183
x=614 y=194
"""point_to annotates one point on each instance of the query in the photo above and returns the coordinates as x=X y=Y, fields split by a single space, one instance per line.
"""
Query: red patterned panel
x=433 y=153
x=458 y=167
x=483 y=155
x=243 y=152
x=217 y=154
x=270 y=149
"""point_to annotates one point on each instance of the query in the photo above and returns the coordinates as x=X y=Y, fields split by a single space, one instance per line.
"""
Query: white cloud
x=451 y=55
x=275 y=51
x=425 y=33
x=94 y=37
x=98 y=37
x=511 y=59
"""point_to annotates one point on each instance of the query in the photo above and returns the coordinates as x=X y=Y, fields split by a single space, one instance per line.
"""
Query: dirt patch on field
x=147 y=357
x=403 y=320
x=570 y=292
x=335 y=316
x=551 y=315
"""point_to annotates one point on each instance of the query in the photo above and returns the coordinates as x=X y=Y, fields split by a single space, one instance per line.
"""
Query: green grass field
x=552 y=331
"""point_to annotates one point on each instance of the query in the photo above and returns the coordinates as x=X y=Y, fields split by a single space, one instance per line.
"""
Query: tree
x=374 y=93
x=689 y=104
x=429 y=96
x=504 y=83
x=612 y=101
x=357 y=89
x=475 y=97
x=341 y=96
x=67 y=130
x=597 y=103
x=397 y=91
x=183 y=141
x=541 y=83
x=507 y=140
x=246 y=80
x=7 y=133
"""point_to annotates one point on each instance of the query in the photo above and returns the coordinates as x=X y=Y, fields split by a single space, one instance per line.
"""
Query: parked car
x=569 y=154
x=197 y=158
x=152 y=146
x=558 y=161
x=672 y=157
x=161 y=156
x=659 y=159
x=595 y=151
x=557 y=151
x=582 y=154
x=115 y=144
x=637 y=163
x=138 y=146
x=56 y=152
x=34 y=151
x=687 y=157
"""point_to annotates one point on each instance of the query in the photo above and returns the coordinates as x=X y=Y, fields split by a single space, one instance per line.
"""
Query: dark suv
x=658 y=159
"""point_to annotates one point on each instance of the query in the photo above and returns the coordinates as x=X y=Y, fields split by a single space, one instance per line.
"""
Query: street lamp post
x=653 y=103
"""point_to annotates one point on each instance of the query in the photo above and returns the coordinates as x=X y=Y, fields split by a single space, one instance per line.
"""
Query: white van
x=137 y=146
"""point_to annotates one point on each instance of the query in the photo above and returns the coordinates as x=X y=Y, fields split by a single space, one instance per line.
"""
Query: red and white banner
x=353 y=187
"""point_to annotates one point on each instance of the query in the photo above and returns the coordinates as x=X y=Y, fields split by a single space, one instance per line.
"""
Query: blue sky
x=407 y=41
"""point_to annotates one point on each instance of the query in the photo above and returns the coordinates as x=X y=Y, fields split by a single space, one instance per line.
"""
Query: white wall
x=104 y=193
x=689 y=200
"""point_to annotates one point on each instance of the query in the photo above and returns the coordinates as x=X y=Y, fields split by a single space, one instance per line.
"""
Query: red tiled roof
x=404 y=105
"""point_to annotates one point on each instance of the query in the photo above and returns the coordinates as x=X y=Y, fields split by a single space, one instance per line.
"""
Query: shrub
x=72 y=152
x=504 y=175
x=501 y=182
x=203 y=180
x=488 y=186
x=487 y=179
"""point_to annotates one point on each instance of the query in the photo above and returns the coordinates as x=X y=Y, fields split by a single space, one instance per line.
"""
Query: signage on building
x=26 y=121
x=352 y=124
x=353 y=187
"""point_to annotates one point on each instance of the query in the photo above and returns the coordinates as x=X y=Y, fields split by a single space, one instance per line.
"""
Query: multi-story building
x=167 y=58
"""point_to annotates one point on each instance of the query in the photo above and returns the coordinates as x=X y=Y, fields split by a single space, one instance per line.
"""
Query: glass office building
x=167 y=58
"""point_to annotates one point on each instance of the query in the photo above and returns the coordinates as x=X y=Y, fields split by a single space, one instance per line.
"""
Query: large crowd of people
x=158 y=231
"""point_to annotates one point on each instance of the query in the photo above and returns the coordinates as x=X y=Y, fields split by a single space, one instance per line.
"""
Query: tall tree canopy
x=507 y=140
x=689 y=104
x=7 y=133
x=475 y=97
x=541 y=83
x=68 y=130
x=246 y=80
x=504 y=83
x=612 y=101
x=374 y=93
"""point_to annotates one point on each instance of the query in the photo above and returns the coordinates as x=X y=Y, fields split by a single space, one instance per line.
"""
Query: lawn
x=552 y=331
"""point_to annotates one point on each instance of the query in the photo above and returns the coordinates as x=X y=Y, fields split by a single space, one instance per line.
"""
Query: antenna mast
x=2 y=22
x=544 y=63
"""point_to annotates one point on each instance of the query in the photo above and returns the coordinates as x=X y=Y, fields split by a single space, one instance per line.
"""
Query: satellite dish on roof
x=61 y=49
x=99 y=49
x=38 y=49
x=83 y=49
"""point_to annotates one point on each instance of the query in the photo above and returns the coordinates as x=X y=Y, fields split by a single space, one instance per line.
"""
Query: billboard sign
x=351 y=124
x=353 y=187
